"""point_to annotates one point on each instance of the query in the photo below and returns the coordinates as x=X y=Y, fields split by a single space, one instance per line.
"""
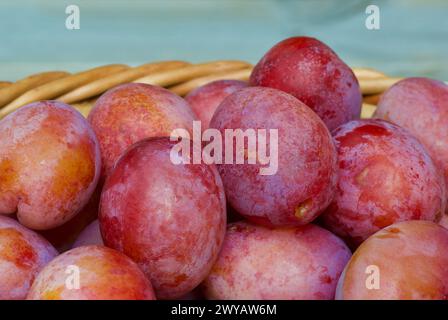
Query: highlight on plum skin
x=103 y=274
x=313 y=73
x=305 y=179
x=385 y=176
x=301 y=263
x=49 y=164
x=405 y=261
x=205 y=99
x=168 y=218
x=421 y=106
x=131 y=112
x=23 y=253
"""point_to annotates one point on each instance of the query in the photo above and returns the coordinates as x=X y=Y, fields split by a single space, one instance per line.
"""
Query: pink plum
x=49 y=164
x=285 y=263
x=168 y=218
x=132 y=112
x=405 y=261
x=23 y=253
x=205 y=99
x=385 y=176
x=103 y=274
x=300 y=176
x=313 y=73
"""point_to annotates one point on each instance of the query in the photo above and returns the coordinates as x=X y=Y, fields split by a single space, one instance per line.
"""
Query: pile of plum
x=96 y=209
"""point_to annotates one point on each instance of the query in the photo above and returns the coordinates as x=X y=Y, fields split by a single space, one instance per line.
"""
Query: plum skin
x=411 y=258
x=104 y=274
x=23 y=253
x=168 y=218
x=295 y=263
x=385 y=176
x=305 y=181
x=49 y=164
x=309 y=70
x=205 y=99
x=91 y=235
x=64 y=236
x=132 y=112
x=421 y=106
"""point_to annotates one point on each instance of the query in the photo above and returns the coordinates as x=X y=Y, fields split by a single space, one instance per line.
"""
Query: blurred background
x=412 y=40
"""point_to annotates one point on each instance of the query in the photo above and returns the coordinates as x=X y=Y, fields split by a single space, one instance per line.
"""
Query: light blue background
x=413 y=39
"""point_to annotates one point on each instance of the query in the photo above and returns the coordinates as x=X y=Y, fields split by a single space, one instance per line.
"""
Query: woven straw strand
x=82 y=89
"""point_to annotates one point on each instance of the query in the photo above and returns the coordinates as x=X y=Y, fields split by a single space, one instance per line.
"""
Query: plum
x=309 y=70
x=91 y=273
x=294 y=263
x=385 y=176
x=421 y=106
x=132 y=112
x=404 y=261
x=302 y=165
x=169 y=218
x=23 y=253
x=91 y=235
x=63 y=237
x=205 y=99
x=49 y=164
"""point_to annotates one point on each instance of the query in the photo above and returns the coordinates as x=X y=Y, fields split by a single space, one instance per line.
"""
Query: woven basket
x=83 y=88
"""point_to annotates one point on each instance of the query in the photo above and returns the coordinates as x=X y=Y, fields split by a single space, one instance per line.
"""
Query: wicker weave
x=82 y=89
